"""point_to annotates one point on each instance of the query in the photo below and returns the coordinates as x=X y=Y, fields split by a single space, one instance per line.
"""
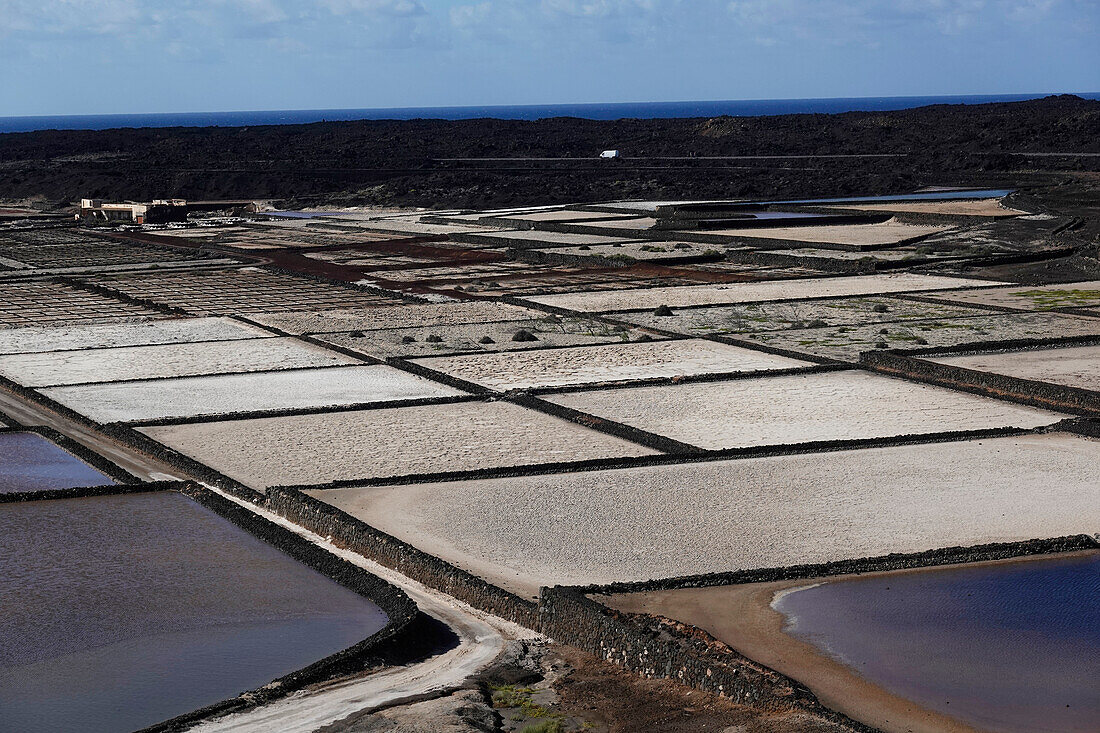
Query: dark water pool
x=119 y=612
x=1009 y=647
x=29 y=462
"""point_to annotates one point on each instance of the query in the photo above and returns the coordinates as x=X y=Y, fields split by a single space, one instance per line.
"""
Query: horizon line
x=536 y=105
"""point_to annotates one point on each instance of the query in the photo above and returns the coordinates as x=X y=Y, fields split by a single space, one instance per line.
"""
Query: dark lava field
x=405 y=162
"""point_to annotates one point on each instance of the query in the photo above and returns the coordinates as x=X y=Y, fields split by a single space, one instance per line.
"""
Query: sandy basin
x=753 y=619
x=664 y=521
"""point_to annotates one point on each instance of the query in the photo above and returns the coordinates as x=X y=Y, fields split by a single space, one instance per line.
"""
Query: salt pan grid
x=246 y=290
x=50 y=303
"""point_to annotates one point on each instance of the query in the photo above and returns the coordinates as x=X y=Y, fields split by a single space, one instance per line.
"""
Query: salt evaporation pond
x=1003 y=647
x=118 y=612
x=29 y=462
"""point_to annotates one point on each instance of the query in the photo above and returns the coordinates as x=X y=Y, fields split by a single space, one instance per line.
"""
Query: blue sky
x=106 y=56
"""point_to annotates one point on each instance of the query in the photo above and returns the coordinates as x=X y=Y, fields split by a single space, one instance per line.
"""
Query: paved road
x=144 y=467
x=482 y=637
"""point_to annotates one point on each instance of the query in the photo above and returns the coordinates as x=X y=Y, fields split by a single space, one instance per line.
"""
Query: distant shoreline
x=610 y=111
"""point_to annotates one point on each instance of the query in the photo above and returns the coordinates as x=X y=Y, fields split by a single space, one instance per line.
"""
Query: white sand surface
x=550 y=238
x=800 y=408
x=166 y=360
x=613 y=362
x=642 y=523
x=981 y=207
x=1073 y=366
x=315 y=449
x=597 y=301
x=229 y=393
x=167 y=331
x=889 y=232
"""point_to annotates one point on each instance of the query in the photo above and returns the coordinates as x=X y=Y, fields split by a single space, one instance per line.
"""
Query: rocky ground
x=538 y=688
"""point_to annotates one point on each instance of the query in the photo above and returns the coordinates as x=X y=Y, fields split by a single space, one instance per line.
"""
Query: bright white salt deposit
x=168 y=331
x=800 y=408
x=166 y=360
x=614 y=362
x=663 y=521
x=229 y=393
x=597 y=301
x=315 y=449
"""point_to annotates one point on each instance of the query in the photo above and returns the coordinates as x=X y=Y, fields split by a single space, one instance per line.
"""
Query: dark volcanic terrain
x=412 y=162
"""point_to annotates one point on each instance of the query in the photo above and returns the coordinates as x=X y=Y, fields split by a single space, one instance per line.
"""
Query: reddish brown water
x=119 y=612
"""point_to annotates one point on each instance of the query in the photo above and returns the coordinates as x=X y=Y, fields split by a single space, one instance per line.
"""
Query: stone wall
x=671 y=651
x=1030 y=392
x=80 y=492
x=353 y=534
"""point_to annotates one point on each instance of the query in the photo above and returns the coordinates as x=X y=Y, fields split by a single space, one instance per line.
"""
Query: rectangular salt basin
x=182 y=330
x=397 y=316
x=598 y=301
x=536 y=238
x=890 y=232
x=316 y=449
x=1033 y=297
x=634 y=524
x=166 y=360
x=154 y=607
x=29 y=462
x=980 y=207
x=228 y=393
x=614 y=362
x=800 y=408
x=1073 y=366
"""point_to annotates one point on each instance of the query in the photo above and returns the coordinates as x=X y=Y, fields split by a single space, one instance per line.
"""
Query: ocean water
x=639 y=110
x=119 y=612
x=1012 y=648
